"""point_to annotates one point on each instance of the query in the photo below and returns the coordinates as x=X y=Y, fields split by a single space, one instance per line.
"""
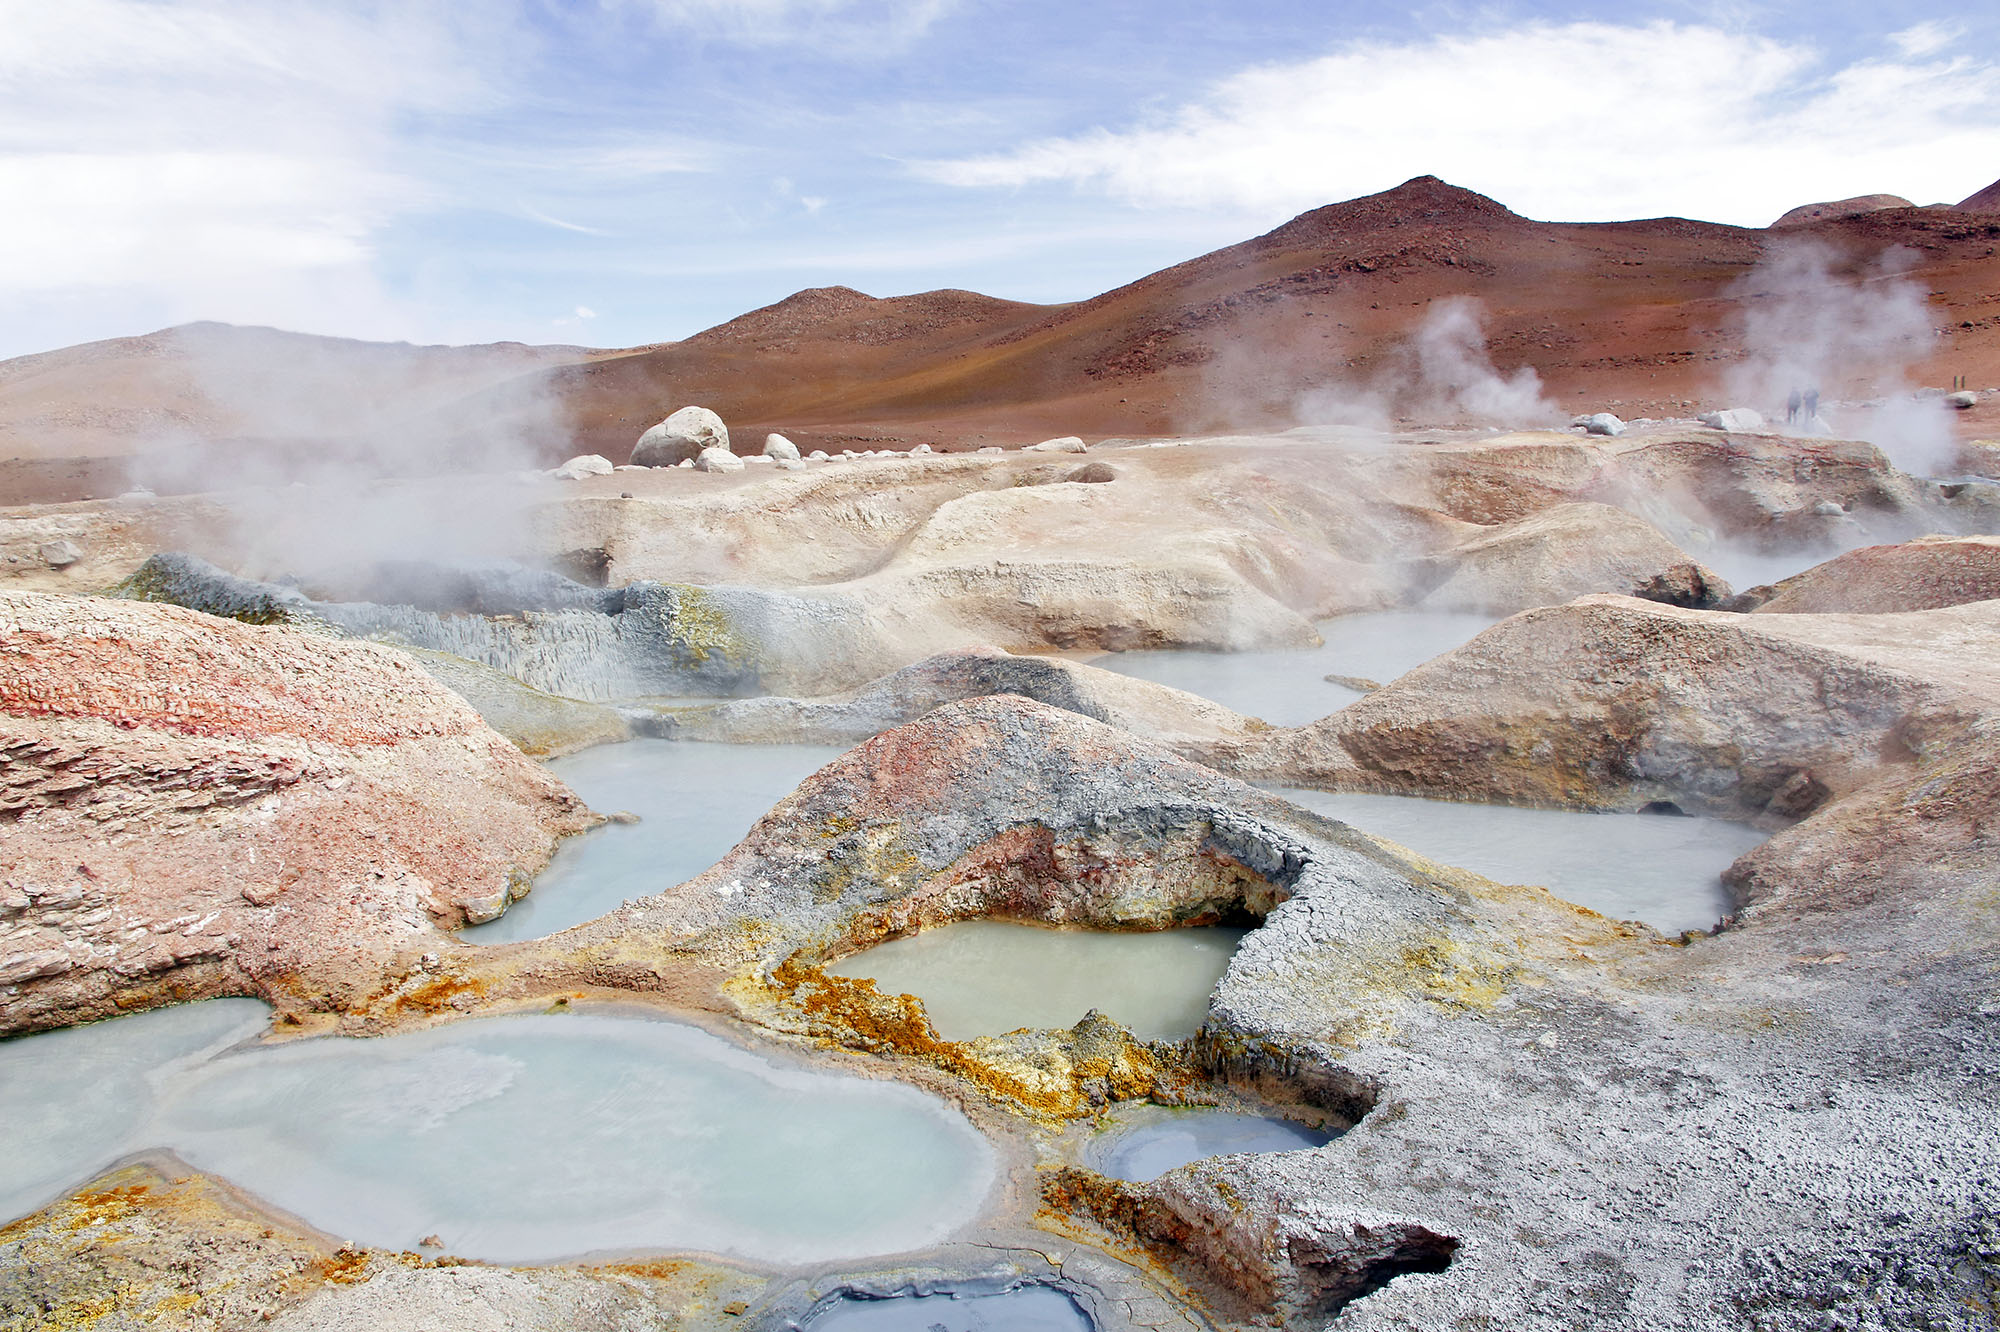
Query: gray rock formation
x=660 y=448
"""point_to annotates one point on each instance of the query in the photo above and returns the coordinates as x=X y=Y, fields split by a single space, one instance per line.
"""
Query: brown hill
x=1986 y=201
x=1314 y=319
x=1860 y=203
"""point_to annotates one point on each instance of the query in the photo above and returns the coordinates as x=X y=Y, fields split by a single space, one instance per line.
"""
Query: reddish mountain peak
x=1986 y=201
x=1424 y=200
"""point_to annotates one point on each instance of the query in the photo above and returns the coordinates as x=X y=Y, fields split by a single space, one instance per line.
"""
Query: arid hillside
x=1330 y=316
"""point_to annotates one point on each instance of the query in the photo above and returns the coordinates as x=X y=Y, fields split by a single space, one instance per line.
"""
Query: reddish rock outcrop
x=193 y=806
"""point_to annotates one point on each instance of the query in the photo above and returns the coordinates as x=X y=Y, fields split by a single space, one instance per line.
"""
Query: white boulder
x=817 y=455
x=584 y=464
x=718 y=460
x=1600 y=423
x=1962 y=399
x=1062 y=444
x=1733 y=418
x=777 y=446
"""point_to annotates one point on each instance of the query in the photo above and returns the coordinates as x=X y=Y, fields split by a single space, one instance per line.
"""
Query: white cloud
x=219 y=158
x=843 y=27
x=585 y=312
x=1925 y=39
x=1585 y=121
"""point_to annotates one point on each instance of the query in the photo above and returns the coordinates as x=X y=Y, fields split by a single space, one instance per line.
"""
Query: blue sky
x=617 y=172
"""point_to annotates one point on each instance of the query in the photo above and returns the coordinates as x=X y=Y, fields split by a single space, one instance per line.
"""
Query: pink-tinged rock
x=190 y=806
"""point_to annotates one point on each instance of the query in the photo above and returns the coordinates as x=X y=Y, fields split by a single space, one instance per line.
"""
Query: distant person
x=1812 y=404
x=1792 y=408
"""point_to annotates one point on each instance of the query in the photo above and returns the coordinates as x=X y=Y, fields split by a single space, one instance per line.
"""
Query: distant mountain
x=1314 y=320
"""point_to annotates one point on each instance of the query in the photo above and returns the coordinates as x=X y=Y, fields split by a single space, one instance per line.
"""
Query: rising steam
x=1442 y=374
x=1853 y=332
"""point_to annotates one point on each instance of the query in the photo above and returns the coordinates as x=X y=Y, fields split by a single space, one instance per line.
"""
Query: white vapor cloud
x=1578 y=122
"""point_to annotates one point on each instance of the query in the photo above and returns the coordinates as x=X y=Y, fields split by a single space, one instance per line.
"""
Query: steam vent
x=1429 y=769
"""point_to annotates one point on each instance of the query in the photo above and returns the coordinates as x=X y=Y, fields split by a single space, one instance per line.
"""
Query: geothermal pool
x=1149 y=1140
x=513 y=1139
x=1290 y=688
x=1664 y=870
x=1033 y=1308
x=989 y=977
x=695 y=800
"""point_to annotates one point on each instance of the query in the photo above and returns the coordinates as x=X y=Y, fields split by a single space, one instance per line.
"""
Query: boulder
x=1964 y=399
x=777 y=446
x=1061 y=444
x=1600 y=423
x=60 y=554
x=700 y=424
x=1733 y=419
x=199 y=807
x=718 y=460
x=660 y=447
x=584 y=464
x=817 y=455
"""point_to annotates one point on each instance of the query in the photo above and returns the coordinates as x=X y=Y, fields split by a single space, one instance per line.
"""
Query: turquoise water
x=1665 y=870
x=1290 y=688
x=695 y=801
x=989 y=977
x=1155 y=1139
x=515 y=1139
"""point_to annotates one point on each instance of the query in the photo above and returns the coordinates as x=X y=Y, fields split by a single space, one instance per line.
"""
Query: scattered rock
x=1963 y=399
x=1061 y=444
x=1092 y=472
x=777 y=446
x=1600 y=423
x=718 y=460
x=60 y=554
x=817 y=455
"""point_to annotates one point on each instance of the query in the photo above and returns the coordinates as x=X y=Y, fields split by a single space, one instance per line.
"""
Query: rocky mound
x=196 y=807
x=1171 y=717
x=1611 y=702
x=1984 y=201
x=1563 y=552
x=1917 y=575
x=1820 y=212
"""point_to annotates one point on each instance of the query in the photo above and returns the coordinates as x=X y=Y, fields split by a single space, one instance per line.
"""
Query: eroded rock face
x=1612 y=702
x=197 y=807
x=1917 y=575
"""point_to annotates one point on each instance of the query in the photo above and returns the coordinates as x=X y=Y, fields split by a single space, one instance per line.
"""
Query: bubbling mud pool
x=990 y=977
x=1146 y=1141
x=513 y=1139
x=695 y=800
x=1034 y=1308
x=1665 y=870
x=1290 y=688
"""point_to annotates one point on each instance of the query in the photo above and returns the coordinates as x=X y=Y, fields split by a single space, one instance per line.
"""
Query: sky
x=622 y=172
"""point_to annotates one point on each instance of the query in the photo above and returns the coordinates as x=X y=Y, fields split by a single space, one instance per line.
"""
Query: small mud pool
x=694 y=801
x=520 y=1139
x=1662 y=869
x=989 y=977
x=1148 y=1141
x=1290 y=688
x=1023 y=1309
